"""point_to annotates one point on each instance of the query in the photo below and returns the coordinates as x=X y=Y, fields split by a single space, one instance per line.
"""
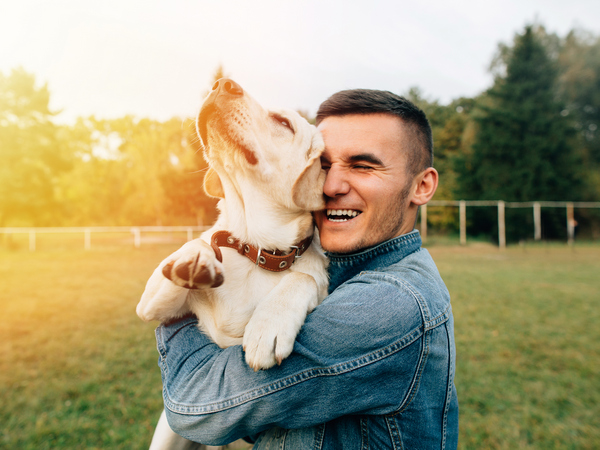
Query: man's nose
x=336 y=182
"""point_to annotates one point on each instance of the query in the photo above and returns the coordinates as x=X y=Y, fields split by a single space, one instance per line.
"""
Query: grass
x=79 y=369
x=528 y=344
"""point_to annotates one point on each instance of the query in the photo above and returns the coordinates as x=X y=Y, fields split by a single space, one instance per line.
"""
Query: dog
x=254 y=276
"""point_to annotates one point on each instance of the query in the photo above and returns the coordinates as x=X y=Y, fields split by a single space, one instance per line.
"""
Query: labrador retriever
x=254 y=276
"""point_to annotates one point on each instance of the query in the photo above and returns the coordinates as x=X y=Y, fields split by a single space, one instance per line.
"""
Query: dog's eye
x=283 y=121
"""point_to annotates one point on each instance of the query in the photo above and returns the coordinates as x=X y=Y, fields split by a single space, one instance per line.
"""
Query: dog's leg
x=193 y=266
x=270 y=334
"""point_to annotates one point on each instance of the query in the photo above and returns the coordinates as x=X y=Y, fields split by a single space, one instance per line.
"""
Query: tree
x=139 y=172
x=579 y=88
x=524 y=147
x=449 y=124
x=32 y=156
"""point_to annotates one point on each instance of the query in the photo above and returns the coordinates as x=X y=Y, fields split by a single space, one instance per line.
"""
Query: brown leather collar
x=274 y=261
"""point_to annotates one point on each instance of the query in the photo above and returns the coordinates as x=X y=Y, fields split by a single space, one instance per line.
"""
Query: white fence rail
x=87 y=232
x=502 y=205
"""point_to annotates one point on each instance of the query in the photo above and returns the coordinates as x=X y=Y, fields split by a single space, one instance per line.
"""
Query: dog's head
x=276 y=151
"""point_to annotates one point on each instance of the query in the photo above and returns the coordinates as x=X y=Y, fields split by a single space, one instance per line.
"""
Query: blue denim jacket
x=372 y=368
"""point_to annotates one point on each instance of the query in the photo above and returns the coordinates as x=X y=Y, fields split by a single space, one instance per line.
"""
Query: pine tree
x=523 y=148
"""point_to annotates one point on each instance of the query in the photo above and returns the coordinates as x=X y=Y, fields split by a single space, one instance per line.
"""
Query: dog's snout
x=229 y=86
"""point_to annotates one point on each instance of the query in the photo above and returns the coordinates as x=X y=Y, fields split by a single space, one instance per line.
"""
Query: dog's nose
x=229 y=86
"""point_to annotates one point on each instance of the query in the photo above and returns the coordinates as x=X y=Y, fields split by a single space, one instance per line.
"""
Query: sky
x=157 y=58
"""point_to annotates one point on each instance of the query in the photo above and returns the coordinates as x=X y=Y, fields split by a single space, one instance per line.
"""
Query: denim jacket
x=372 y=367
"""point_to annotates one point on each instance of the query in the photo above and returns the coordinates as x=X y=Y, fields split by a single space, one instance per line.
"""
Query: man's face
x=367 y=190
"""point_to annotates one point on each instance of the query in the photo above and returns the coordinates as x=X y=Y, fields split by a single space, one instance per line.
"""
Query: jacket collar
x=342 y=267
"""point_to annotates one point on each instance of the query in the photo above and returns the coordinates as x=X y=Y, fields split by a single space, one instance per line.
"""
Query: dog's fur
x=265 y=167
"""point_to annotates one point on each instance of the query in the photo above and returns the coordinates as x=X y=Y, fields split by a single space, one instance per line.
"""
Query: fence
x=502 y=205
x=136 y=232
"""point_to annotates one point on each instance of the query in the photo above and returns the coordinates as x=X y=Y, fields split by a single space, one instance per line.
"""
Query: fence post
x=190 y=234
x=570 y=223
x=537 y=221
x=424 y=222
x=87 y=239
x=32 y=240
x=501 y=225
x=137 y=239
x=462 y=210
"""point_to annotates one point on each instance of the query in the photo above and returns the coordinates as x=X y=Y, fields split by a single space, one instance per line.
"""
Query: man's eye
x=361 y=167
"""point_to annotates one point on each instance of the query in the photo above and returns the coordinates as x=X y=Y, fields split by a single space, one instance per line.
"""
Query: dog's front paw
x=268 y=339
x=195 y=267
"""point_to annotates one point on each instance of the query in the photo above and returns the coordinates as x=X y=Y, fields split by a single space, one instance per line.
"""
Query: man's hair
x=368 y=101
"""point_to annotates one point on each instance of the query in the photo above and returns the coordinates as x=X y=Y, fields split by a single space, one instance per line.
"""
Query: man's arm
x=358 y=352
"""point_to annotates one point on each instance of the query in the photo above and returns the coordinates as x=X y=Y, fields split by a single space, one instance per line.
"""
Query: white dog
x=255 y=275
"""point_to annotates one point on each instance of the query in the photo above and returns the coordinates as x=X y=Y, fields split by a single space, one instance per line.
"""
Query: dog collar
x=274 y=261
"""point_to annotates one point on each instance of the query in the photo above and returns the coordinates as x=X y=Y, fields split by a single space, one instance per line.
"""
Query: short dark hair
x=369 y=101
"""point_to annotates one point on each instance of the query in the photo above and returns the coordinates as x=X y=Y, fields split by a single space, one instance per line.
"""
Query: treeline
x=533 y=135
x=97 y=172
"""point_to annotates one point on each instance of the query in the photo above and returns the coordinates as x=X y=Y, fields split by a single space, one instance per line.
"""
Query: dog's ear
x=307 y=192
x=212 y=184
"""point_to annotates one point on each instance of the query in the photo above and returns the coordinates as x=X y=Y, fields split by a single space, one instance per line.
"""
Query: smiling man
x=369 y=181
x=373 y=366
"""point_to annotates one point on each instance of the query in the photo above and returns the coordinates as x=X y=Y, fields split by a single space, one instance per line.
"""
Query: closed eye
x=282 y=121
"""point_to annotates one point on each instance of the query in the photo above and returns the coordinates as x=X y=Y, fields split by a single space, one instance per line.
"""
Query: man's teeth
x=341 y=215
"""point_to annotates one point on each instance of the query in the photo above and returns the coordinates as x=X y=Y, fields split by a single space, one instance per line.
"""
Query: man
x=373 y=366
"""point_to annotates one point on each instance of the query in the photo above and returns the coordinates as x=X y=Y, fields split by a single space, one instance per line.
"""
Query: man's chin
x=340 y=245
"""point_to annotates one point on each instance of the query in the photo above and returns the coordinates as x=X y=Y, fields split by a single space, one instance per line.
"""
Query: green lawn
x=78 y=368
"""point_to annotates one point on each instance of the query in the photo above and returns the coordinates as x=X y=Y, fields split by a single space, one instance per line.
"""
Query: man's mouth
x=342 y=215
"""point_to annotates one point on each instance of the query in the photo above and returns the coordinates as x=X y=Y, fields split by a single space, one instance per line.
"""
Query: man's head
x=378 y=156
x=367 y=101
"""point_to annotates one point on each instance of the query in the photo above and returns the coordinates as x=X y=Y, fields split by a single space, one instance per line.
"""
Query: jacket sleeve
x=359 y=352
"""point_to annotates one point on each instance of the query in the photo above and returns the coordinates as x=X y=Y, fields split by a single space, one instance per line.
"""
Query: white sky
x=156 y=58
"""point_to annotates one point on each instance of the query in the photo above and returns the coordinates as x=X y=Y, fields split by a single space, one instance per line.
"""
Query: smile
x=342 y=215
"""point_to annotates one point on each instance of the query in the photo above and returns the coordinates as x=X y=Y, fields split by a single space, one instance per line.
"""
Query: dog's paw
x=268 y=340
x=195 y=268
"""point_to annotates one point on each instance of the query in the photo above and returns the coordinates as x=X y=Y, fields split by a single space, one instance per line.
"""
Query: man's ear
x=212 y=184
x=425 y=186
x=307 y=192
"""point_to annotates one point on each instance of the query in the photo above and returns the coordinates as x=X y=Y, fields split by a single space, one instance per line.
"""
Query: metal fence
x=501 y=206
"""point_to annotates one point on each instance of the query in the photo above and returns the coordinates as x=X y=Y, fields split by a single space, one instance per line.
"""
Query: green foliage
x=524 y=148
x=532 y=136
x=450 y=125
x=579 y=87
x=31 y=152
x=96 y=172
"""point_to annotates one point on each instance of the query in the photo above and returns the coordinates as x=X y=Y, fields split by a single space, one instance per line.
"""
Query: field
x=78 y=368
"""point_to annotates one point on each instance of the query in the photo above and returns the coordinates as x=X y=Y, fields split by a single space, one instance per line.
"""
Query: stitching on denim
x=282 y=441
x=364 y=433
x=430 y=323
x=162 y=351
x=319 y=437
x=309 y=374
x=416 y=382
x=183 y=325
x=395 y=435
x=412 y=237
x=449 y=389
